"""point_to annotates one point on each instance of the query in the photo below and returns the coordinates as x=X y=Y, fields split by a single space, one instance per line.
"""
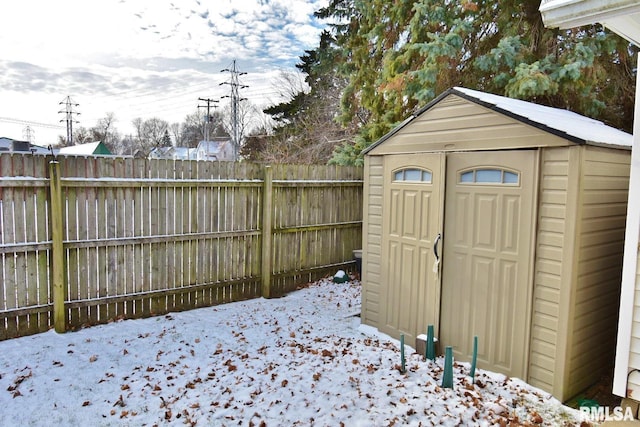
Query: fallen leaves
x=230 y=366
x=13 y=388
x=120 y=402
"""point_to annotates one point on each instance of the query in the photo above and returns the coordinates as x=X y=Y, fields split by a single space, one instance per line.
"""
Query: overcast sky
x=141 y=58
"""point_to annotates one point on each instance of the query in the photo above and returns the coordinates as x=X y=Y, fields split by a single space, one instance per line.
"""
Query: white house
x=622 y=17
x=174 y=153
x=215 y=150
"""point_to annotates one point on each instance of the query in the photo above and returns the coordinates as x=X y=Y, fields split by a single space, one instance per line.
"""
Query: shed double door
x=457 y=241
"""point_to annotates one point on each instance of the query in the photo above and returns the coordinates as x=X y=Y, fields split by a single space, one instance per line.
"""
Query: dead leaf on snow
x=536 y=418
x=120 y=402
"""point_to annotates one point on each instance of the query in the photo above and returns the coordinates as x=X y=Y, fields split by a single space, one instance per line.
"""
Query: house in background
x=9 y=145
x=184 y=153
x=217 y=149
x=173 y=153
x=622 y=17
x=88 y=149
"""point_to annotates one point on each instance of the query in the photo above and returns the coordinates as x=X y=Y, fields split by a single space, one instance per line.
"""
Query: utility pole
x=208 y=118
x=68 y=111
x=235 y=101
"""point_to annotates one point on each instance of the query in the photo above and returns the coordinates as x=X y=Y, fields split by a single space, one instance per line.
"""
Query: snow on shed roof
x=579 y=127
x=564 y=123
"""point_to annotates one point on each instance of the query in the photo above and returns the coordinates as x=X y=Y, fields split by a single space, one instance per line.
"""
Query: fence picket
x=8 y=236
x=144 y=237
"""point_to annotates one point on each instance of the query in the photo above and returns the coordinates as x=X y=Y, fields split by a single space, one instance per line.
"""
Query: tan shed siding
x=457 y=124
x=550 y=243
x=372 y=240
x=595 y=303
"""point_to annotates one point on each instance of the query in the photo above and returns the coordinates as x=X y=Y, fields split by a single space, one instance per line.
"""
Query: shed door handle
x=435 y=246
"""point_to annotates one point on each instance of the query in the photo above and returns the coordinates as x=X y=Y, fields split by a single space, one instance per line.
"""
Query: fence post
x=57 y=249
x=267 y=210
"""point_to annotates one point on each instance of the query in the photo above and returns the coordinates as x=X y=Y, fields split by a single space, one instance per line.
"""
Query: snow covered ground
x=301 y=360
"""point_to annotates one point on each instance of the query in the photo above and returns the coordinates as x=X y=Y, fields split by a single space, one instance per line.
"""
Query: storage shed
x=495 y=217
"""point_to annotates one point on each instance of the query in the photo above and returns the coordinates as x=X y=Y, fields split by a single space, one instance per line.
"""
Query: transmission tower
x=235 y=101
x=28 y=134
x=207 y=121
x=69 y=114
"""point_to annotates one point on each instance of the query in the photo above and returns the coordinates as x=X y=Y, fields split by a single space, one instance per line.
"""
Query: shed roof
x=563 y=123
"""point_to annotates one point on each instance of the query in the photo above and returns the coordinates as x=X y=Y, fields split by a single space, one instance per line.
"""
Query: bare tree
x=249 y=118
x=289 y=84
x=150 y=133
x=81 y=135
x=105 y=131
x=304 y=127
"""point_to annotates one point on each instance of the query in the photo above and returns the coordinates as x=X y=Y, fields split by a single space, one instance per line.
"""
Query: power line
x=29 y=123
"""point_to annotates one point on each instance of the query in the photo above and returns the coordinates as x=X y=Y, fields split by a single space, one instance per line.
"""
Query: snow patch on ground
x=304 y=359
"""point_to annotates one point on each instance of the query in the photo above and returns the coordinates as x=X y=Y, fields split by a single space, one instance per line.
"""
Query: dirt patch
x=599 y=392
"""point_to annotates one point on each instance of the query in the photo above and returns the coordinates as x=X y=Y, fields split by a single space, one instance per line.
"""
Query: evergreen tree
x=399 y=55
x=306 y=130
x=166 y=139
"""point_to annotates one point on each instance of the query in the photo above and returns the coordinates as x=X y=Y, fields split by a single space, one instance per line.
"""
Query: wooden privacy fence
x=86 y=240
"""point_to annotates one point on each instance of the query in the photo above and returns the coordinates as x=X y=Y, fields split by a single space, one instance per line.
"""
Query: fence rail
x=86 y=240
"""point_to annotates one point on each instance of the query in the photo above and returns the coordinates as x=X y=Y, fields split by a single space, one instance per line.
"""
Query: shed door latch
x=435 y=247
